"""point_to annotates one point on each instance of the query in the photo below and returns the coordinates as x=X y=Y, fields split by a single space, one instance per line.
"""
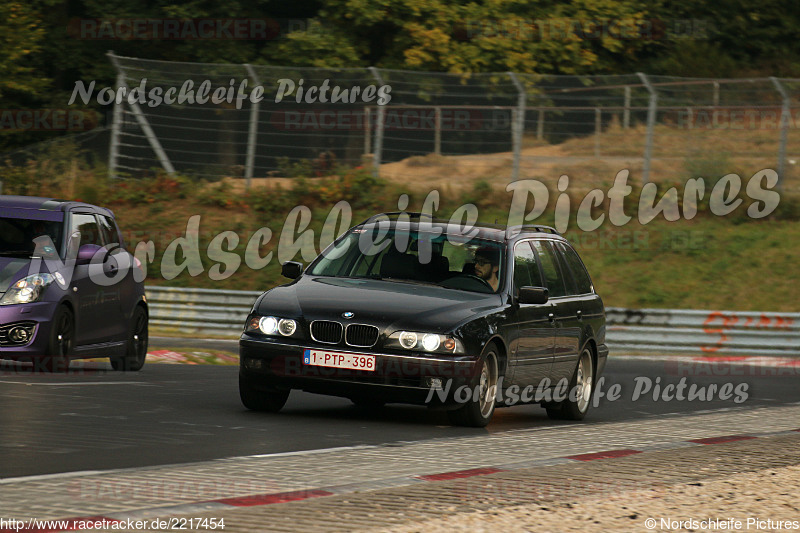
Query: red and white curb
x=255 y=500
x=744 y=360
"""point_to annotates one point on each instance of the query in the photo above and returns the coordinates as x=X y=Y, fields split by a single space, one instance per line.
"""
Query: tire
x=584 y=379
x=268 y=401
x=136 y=348
x=62 y=341
x=479 y=413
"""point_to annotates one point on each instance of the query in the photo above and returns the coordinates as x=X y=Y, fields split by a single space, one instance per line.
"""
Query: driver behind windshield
x=487 y=264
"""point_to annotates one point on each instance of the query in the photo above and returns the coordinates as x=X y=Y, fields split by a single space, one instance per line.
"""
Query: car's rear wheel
x=580 y=388
x=479 y=408
x=136 y=348
x=62 y=339
x=267 y=400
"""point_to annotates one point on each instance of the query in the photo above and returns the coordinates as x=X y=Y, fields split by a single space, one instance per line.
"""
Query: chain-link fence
x=497 y=126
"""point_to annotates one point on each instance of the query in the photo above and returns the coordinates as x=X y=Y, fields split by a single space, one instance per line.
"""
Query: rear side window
x=87 y=225
x=109 y=230
x=579 y=273
x=550 y=269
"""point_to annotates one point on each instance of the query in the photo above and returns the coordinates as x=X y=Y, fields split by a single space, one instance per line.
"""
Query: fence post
x=626 y=113
x=116 y=126
x=377 y=155
x=598 y=127
x=142 y=120
x=252 y=132
x=651 y=124
x=540 y=125
x=517 y=126
x=715 y=100
x=785 y=116
x=367 y=129
x=437 y=134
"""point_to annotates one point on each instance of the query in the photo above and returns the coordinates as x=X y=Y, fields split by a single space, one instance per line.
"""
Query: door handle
x=551 y=317
x=579 y=314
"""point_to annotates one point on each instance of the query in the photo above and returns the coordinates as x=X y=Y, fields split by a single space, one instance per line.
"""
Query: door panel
x=566 y=327
x=533 y=351
x=97 y=305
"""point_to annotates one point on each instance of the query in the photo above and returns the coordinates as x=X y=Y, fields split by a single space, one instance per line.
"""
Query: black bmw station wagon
x=407 y=308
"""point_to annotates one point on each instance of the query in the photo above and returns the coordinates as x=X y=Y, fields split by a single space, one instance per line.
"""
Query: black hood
x=381 y=303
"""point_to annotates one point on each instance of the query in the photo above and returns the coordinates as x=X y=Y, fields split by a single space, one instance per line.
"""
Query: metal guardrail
x=222 y=312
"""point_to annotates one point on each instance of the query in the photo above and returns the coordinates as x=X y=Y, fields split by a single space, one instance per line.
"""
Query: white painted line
x=754 y=360
x=47 y=477
x=308 y=452
x=77 y=384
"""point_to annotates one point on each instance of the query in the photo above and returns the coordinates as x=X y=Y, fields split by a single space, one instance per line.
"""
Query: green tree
x=447 y=35
x=22 y=36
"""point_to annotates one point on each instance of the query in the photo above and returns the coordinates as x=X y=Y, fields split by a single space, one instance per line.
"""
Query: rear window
x=579 y=273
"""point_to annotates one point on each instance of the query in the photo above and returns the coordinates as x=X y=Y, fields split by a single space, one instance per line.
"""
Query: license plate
x=350 y=361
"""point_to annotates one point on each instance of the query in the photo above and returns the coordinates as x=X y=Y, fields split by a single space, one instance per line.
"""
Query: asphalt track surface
x=96 y=419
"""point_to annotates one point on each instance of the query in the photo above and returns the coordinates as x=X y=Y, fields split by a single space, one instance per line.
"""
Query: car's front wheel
x=479 y=408
x=61 y=342
x=581 y=387
x=136 y=348
x=270 y=400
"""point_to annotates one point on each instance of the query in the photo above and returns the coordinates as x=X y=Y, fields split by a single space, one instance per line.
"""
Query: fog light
x=19 y=334
x=253 y=364
x=435 y=383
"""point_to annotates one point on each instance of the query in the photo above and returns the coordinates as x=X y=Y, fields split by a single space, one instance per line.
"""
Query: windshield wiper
x=16 y=252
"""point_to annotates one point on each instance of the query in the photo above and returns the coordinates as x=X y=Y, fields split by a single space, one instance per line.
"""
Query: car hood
x=377 y=302
x=11 y=270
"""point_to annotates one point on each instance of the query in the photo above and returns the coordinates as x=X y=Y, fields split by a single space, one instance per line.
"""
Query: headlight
x=270 y=325
x=425 y=342
x=27 y=290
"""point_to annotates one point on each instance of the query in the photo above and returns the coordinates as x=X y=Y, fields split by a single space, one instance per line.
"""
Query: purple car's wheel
x=62 y=338
x=136 y=349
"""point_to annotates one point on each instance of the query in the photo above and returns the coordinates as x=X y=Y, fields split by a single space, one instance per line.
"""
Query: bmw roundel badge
x=348 y=314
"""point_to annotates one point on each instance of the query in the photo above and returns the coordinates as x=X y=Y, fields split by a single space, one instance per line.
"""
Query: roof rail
x=536 y=227
x=394 y=215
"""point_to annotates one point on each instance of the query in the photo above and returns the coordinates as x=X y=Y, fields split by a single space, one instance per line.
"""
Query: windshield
x=17 y=236
x=451 y=261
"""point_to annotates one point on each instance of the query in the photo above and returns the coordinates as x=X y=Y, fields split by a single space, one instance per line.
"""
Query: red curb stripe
x=279 y=497
x=726 y=359
x=611 y=454
x=458 y=474
x=73 y=524
x=720 y=440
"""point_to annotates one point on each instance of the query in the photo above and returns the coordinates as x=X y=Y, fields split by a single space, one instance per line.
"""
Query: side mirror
x=533 y=295
x=291 y=269
x=87 y=252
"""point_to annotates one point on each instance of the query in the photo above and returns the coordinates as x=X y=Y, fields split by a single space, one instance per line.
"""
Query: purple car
x=68 y=287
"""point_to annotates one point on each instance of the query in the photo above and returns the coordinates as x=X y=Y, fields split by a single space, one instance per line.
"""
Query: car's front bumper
x=40 y=314
x=268 y=364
